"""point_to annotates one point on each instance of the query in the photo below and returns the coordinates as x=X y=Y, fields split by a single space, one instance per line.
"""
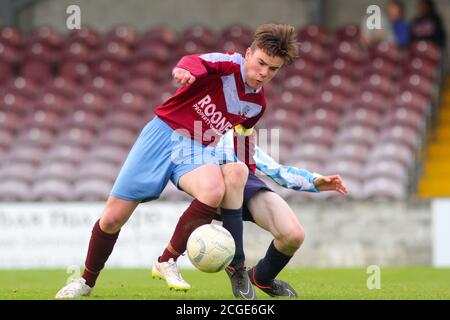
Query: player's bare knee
x=294 y=239
x=235 y=175
x=111 y=223
x=211 y=192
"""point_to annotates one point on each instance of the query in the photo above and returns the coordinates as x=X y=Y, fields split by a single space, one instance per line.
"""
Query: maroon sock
x=100 y=247
x=169 y=253
x=196 y=215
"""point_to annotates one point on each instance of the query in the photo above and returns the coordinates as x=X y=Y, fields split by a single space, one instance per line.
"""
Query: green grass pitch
x=311 y=284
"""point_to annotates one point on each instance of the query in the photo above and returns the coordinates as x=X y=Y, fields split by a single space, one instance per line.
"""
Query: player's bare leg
x=116 y=214
x=103 y=238
x=235 y=177
x=206 y=185
x=232 y=179
x=272 y=213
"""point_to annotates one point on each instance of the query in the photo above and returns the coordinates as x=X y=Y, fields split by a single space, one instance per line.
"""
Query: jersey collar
x=247 y=88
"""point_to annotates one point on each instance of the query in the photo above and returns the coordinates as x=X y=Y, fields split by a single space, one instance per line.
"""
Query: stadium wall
x=358 y=234
x=142 y=13
x=102 y=14
x=56 y=235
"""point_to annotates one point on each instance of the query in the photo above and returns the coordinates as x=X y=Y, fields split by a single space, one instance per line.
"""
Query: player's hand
x=183 y=77
x=330 y=183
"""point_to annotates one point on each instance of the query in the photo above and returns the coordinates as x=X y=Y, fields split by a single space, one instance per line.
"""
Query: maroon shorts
x=254 y=184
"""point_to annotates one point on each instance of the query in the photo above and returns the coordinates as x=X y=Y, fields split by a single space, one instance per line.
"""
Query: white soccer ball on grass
x=210 y=248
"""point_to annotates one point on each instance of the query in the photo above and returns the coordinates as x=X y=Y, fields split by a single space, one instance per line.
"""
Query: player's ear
x=248 y=53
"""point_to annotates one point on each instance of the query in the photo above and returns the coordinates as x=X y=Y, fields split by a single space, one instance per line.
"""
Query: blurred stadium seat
x=382 y=188
x=15 y=190
x=26 y=153
x=357 y=152
x=72 y=105
x=91 y=190
x=18 y=171
x=107 y=153
x=52 y=189
x=65 y=152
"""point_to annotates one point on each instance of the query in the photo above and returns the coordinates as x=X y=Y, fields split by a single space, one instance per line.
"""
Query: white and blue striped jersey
x=286 y=176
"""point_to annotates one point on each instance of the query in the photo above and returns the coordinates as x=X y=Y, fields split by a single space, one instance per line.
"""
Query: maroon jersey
x=217 y=101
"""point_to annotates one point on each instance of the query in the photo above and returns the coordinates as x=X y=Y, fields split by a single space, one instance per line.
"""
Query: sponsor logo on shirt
x=212 y=118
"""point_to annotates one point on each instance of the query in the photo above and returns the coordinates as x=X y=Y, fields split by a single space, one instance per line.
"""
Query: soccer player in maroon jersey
x=218 y=93
x=263 y=207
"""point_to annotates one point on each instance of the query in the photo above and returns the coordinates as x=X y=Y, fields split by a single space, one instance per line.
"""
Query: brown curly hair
x=277 y=40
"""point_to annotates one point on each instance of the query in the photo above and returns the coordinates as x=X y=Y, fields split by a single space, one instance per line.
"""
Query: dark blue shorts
x=254 y=184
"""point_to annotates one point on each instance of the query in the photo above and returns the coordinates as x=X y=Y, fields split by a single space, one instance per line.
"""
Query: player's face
x=260 y=68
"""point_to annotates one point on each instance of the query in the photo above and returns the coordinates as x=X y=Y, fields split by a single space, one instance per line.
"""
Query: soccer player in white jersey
x=219 y=92
x=261 y=206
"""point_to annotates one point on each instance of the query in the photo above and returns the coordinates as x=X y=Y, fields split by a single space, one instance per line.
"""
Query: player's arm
x=245 y=150
x=191 y=67
x=296 y=178
x=330 y=183
x=182 y=77
x=286 y=176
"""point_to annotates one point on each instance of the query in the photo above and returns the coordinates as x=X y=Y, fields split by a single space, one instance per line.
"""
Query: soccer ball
x=210 y=248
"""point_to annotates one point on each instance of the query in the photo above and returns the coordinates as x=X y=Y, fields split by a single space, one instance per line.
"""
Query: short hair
x=277 y=40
